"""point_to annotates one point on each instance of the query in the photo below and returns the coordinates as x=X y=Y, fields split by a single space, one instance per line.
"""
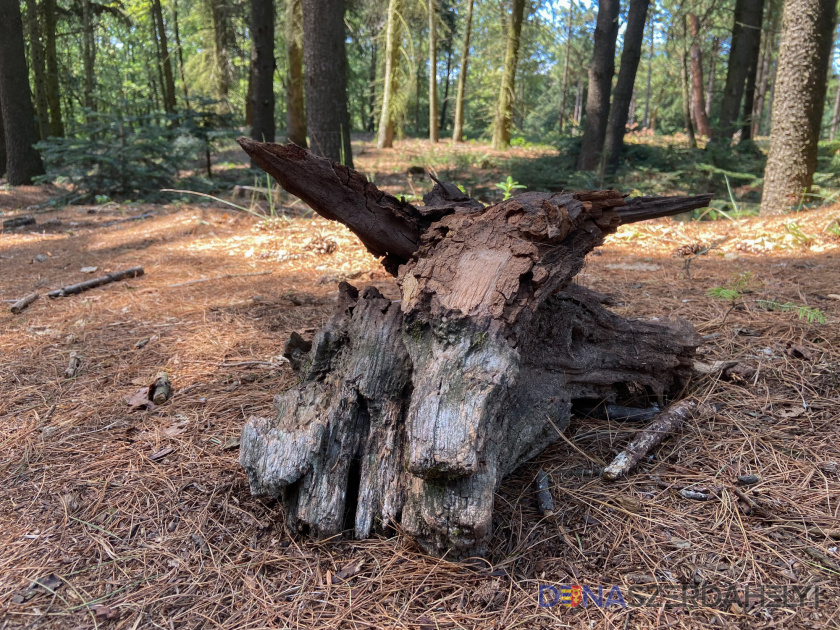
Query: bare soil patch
x=143 y=519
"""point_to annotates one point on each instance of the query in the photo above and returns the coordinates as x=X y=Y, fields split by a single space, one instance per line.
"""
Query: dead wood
x=24 y=303
x=116 y=276
x=412 y=412
x=16 y=222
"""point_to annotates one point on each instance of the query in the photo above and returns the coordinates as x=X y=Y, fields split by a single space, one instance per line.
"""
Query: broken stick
x=24 y=302
x=96 y=282
x=667 y=423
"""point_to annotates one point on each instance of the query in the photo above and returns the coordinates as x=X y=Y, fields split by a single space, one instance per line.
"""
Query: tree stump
x=409 y=413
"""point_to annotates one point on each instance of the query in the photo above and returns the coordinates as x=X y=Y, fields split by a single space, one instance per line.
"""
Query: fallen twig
x=224 y=277
x=667 y=423
x=96 y=282
x=73 y=365
x=15 y=222
x=545 y=504
x=24 y=302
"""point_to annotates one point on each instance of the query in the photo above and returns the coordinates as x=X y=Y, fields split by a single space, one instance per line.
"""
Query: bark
x=114 y=276
x=804 y=57
x=445 y=100
x=2 y=144
x=180 y=54
x=295 y=109
x=88 y=55
x=835 y=118
x=262 y=34
x=746 y=37
x=18 y=115
x=433 y=105
x=600 y=81
x=385 y=138
x=646 y=120
x=686 y=93
x=36 y=53
x=763 y=81
x=749 y=94
x=164 y=60
x=51 y=79
x=410 y=413
x=325 y=57
x=221 y=57
x=710 y=87
x=704 y=128
x=579 y=101
x=372 y=88
x=564 y=86
x=634 y=36
x=504 y=106
x=458 y=125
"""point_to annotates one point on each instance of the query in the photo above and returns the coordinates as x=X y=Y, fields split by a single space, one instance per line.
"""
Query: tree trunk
x=325 y=57
x=262 y=35
x=804 y=57
x=579 y=101
x=433 y=105
x=646 y=120
x=89 y=56
x=371 y=122
x=36 y=50
x=458 y=125
x=18 y=116
x=749 y=94
x=634 y=36
x=295 y=108
x=600 y=82
x=51 y=81
x=769 y=39
x=164 y=60
x=221 y=58
x=385 y=138
x=710 y=87
x=180 y=54
x=410 y=413
x=445 y=100
x=835 y=119
x=504 y=106
x=768 y=115
x=746 y=37
x=698 y=102
x=565 y=82
x=2 y=144
x=686 y=94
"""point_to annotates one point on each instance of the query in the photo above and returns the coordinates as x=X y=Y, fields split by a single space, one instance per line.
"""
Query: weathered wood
x=116 y=276
x=24 y=303
x=411 y=412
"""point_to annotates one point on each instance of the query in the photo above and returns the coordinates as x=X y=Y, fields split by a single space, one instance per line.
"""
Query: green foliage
x=508 y=186
x=735 y=288
x=811 y=315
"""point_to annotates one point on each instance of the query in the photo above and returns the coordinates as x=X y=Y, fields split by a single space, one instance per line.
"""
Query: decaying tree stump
x=411 y=412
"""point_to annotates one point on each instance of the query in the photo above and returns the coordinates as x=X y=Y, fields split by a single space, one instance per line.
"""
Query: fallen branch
x=16 y=222
x=96 y=282
x=224 y=277
x=667 y=423
x=24 y=302
x=545 y=504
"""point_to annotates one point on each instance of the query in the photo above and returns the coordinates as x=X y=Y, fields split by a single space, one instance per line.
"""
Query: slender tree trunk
x=804 y=57
x=325 y=57
x=600 y=81
x=51 y=80
x=646 y=120
x=295 y=108
x=433 y=105
x=2 y=144
x=746 y=36
x=180 y=54
x=769 y=109
x=686 y=92
x=445 y=100
x=835 y=119
x=262 y=34
x=165 y=60
x=385 y=139
x=504 y=106
x=634 y=37
x=698 y=102
x=371 y=121
x=749 y=93
x=36 y=50
x=578 y=101
x=458 y=125
x=89 y=55
x=18 y=115
x=763 y=85
x=565 y=83
x=710 y=86
x=221 y=58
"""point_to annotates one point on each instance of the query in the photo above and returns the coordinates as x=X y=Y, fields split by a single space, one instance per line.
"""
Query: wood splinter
x=116 y=276
x=668 y=422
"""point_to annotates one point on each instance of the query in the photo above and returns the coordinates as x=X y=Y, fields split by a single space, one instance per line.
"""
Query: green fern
x=811 y=315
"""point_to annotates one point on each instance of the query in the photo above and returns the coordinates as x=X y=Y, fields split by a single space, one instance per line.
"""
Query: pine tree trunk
x=763 y=81
x=578 y=101
x=165 y=60
x=180 y=54
x=385 y=139
x=262 y=35
x=686 y=96
x=295 y=108
x=749 y=93
x=51 y=80
x=410 y=413
x=504 y=106
x=89 y=56
x=646 y=120
x=698 y=102
x=36 y=50
x=445 y=100
x=710 y=86
x=564 y=86
x=458 y=125
x=600 y=82
x=746 y=37
x=371 y=122
x=804 y=57
x=221 y=55
x=2 y=144
x=835 y=118
x=325 y=58
x=433 y=105
x=18 y=115
x=634 y=36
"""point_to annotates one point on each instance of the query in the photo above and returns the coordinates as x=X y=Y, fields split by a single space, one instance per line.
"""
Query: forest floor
x=117 y=517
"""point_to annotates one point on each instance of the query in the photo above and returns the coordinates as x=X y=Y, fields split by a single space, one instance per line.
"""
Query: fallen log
x=411 y=412
x=116 y=276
